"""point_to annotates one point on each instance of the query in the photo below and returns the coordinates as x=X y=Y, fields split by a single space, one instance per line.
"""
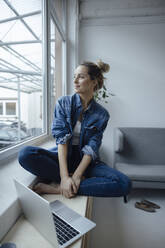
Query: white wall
x=136 y=54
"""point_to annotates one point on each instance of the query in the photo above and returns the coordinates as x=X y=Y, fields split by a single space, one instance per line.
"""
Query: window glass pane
x=4 y=135
x=1 y=108
x=56 y=65
x=59 y=9
x=24 y=6
x=5 y=11
x=13 y=134
x=34 y=23
x=11 y=108
x=21 y=71
x=15 y=31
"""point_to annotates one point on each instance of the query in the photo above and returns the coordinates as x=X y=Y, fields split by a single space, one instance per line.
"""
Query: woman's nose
x=75 y=80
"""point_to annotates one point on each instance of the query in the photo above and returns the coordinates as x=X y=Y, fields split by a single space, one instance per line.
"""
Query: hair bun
x=103 y=66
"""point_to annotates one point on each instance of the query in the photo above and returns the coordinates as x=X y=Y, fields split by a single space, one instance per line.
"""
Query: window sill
x=11 y=152
x=9 y=207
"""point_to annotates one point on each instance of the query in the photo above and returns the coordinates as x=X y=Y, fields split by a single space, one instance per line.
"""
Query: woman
x=78 y=126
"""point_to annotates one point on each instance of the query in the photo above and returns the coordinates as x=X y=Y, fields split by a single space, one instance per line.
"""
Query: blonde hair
x=96 y=70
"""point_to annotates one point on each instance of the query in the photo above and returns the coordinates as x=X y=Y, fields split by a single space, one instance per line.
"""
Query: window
x=21 y=66
x=56 y=65
x=27 y=74
x=57 y=54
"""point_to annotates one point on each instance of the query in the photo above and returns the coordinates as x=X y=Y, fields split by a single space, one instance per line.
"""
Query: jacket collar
x=79 y=104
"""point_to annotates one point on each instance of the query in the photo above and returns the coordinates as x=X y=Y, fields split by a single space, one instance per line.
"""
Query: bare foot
x=43 y=188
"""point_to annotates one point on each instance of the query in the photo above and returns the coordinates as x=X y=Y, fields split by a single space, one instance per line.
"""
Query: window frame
x=48 y=11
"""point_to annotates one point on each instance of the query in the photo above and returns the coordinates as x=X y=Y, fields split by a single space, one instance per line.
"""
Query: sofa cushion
x=149 y=173
x=140 y=145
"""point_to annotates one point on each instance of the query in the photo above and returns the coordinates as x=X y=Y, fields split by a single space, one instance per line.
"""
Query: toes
x=38 y=188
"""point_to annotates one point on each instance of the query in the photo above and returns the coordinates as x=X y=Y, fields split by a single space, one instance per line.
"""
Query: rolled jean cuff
x=64 y=139
x=89 y=151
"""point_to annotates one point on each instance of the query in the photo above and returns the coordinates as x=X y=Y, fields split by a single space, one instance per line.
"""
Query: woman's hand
x=68 y=187
x=78 y=174
x=77 y=180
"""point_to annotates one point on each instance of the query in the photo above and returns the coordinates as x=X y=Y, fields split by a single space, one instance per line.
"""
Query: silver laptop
x=59 y=224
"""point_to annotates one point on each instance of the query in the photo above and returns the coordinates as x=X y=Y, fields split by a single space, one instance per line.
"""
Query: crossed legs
x=100 y=179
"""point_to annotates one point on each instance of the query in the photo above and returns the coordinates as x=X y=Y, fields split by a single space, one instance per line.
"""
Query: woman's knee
x=25 y=154
x=124 y=181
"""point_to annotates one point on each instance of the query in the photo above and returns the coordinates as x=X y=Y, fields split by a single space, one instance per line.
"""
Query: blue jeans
x=100 y=179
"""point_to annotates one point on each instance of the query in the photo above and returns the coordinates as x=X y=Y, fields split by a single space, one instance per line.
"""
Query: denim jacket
x=94 y=122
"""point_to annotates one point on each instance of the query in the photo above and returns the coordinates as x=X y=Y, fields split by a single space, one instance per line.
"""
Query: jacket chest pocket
x=91 y=131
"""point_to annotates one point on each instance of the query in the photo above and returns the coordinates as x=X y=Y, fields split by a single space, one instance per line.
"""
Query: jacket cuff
x=89 y=151
x=63 y=140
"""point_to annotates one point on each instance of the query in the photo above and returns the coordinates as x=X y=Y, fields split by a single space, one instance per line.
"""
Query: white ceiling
x=124 y=8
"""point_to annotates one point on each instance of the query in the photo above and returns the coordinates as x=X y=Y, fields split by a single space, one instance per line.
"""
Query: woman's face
x=82 y=81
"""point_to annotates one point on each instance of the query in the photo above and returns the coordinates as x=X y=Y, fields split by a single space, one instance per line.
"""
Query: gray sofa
x=140 y=154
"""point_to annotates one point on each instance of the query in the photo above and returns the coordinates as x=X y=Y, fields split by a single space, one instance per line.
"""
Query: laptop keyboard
x=65 y=232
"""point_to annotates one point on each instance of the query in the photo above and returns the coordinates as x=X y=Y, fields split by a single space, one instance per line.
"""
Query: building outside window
x=8 y=108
